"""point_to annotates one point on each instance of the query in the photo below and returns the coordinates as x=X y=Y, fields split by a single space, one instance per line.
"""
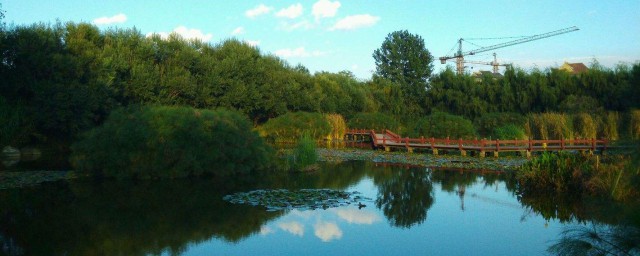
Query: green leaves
x=170 y=142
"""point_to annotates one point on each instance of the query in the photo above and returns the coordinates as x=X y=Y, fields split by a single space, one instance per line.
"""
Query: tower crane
x=494 y=63
x=459 y=56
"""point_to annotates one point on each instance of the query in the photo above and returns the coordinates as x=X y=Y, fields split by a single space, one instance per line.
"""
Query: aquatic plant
x=581 y=174
x=304 y=154
x=303 y=199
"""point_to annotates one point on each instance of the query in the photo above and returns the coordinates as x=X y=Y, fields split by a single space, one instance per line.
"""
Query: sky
x=337 y=35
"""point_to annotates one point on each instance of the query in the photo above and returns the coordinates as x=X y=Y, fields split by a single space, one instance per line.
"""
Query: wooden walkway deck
x=388 y=140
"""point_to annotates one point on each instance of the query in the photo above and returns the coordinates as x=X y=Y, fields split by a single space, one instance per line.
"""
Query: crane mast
x=459 y=56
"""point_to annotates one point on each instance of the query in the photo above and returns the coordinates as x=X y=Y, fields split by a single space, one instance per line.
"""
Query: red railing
x=390 y=139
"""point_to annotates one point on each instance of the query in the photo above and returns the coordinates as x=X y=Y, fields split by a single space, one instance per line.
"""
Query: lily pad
x=303 y=199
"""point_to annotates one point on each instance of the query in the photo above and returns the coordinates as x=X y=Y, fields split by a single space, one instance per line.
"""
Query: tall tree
x=403 y=59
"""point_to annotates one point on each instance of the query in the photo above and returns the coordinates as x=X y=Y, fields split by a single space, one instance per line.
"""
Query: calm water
x=414 y=211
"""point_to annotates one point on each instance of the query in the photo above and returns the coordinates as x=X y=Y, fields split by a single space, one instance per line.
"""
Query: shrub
x=442 y=125
x=170 y=142
x=338 y=126
x=487 y=124
x=509 y=132
x=375 y=121
x=291 y=126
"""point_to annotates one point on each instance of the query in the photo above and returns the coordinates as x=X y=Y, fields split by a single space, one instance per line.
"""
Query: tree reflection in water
x=404 y=196
x=598 y=240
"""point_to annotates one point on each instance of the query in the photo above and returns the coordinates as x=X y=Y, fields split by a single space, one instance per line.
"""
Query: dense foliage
x=375 y=121
x=443 y=125
x=404 y=59
x=59 y=80
x=169 y=142
x=293 y=125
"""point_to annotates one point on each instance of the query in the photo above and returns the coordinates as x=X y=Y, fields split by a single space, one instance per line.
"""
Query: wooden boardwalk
x=388 y=140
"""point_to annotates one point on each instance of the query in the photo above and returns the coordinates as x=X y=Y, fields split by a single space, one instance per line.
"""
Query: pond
x=411 y=211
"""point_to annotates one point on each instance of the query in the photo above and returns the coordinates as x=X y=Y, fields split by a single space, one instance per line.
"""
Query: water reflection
x=153 y=217
x=597 y=239
x=404 y=196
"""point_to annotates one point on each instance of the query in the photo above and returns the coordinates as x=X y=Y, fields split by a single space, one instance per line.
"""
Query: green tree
x=404 y=59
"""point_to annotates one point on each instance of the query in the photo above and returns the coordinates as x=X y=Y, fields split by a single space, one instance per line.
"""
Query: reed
x=338 y=126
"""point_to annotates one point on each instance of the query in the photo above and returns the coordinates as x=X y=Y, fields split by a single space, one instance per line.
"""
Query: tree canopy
x=403 y=59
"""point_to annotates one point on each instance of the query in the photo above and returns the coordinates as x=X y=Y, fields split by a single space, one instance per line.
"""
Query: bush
x=509 y=132
x=376 y=121
x=488 y=123
x=442 y=125
x=170 y=142
x=291 y=126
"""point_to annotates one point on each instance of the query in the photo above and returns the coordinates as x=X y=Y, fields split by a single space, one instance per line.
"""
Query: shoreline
x=504 y=163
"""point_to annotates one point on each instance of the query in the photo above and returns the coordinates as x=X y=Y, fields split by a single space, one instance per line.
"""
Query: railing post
x=447 y=141
x=421 y=139
x=593 y=144
x=460 y=144
x=497 y=145
x=562 y=143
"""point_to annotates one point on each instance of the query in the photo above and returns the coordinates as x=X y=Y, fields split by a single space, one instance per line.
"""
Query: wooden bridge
x=388 y=140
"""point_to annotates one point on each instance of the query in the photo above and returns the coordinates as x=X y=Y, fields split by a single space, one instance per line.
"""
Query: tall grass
x=291 y=126
x=304 y=154
x=613 y=177
x=584 y=126
x=547 y=126
x=634 y=124
x=338 y=126
x=609 y=125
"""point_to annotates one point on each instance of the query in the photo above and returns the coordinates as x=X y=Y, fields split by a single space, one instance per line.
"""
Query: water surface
x=413 y=211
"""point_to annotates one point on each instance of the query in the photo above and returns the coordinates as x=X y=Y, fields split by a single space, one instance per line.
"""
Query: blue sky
x=334 y=35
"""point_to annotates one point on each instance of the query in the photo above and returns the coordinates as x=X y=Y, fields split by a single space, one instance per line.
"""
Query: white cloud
x=325 y=9
x=293 y=227
x=358 y=216
x=264 y=230
x=297 y=52
x=356 y=22
x=298 y=25
x=327 y=231
x=290 y=12
x=186 y=33
x=118 y=18
x=253 y=43
x=258 y=10
x=238 y=31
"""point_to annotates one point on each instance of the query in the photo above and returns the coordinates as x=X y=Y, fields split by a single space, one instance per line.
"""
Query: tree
x=404 y=60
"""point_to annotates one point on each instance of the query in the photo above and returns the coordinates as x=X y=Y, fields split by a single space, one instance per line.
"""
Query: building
x=574 y=68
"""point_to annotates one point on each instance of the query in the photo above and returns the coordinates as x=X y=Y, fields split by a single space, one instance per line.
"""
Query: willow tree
x=403 y=59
